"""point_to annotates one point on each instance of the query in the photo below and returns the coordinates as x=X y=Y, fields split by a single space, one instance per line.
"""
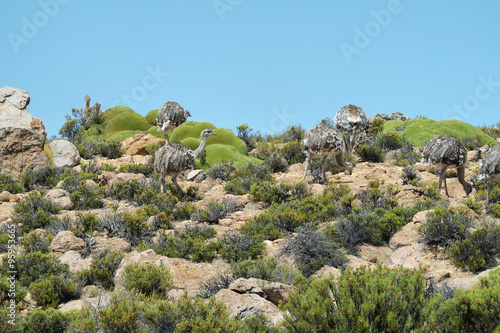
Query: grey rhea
x=323 y=141
x=447 y=151
x=175 y=158
x=490 y=168
x=87 y=102
x=170 y=116
x=350 y=120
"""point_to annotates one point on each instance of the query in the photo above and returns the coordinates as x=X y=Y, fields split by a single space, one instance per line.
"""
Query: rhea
x=323 y=141
x=447 y=151
x=490 y=168
x=171 y=116
x=175 y=158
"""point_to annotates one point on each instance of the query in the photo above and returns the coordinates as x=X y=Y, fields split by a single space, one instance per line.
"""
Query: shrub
x=290 y=134
x=222 y=171
x=104 y=266
x=477 y=207
x=472 y=142
x=410 y=176
x=389 y=141
x=33 y=242
x=276 y=162
x=6 y=291
x=145 y=169
x=268 y=269
x=243 y=178
x=361 y=300
x=147 y=279
x=445 y=226
x=184 y=211
x=34 y=212
x=212 y=287
x=407 y=158
x=215 y=211
x=292 y=152
x=40 y=320
x=47 y=176
x=110 y=149
x=52 y=290
x=8 y=184
x=235 y=247
x=87 y=197
x=311 y=250
x=269 y=192
x=370 y=153
x=476 y=309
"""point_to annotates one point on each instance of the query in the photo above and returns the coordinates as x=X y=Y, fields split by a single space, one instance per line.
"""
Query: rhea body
x=323 y=141
x=351 y=120
x=490 y=168
x=170 y=116
x=447 y=151
x=175 y=158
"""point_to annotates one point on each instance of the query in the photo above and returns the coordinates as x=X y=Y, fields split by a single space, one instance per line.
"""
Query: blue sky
x=269 y=64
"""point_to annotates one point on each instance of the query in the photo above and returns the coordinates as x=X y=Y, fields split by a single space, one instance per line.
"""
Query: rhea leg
x=442 y=176
x=323 y=168
x=174 y=180
x=340 y=161
x=308 y=161
x=490 y=186
x=163 y=184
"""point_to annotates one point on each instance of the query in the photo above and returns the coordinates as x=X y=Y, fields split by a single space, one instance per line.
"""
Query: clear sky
x=269 y=64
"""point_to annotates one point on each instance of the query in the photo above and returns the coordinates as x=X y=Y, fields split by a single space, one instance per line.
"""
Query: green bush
x=52 y=290
x=104 y=266
x=8 y=184
x=221 y=170
x=389 y=141
x=370 y=153
x=214 y=285
x=476 y=309
x=184 y=210
x=268 y=269
x=463 y=253
x=361 y=300
x=236 y=247
x=243 y=178
x=5 y=292
x=147 y=279
x=410 y=176
x=47 y=176
x=269 y=192
x=293 y=133
x=106 y=148
x=216 y=210
x=477 y=207
x=145 y=169
x=33 y=242
x=445 y=226
x=292 y=152
x=311 y=250
x=87 y=197
x=34 y=212
x=44 y=320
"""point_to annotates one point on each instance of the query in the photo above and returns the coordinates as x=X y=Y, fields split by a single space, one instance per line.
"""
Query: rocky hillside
x=251 y=248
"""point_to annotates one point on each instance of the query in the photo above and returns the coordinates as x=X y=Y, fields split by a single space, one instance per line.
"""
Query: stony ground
x=404 y=249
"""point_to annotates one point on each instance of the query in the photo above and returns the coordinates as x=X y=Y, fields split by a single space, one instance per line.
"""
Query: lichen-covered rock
x=22 y=136
x=59 y=197
x=74 y=261
x=64 y=153
x=137 y=144
x=66 y=241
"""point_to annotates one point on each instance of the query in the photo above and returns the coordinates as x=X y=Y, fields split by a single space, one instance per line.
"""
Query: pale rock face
x=64 y=153
x=137 y=144
x=22 y=136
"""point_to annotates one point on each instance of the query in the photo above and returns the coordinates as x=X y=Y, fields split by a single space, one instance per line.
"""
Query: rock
x=59 y=197
x=372 y=253
x=108 y=178
x=5 y=196
x=137 y=144
x=277 y=291
x=22 y=136
x=186 y=275
x=325 y=271
x=126 y=177
x=421 y=217
x=114 y=244
x=408 y=235
x=89 y=291
x=317 y=189
x=193 y=174
x=74 y=261
x=90 y=183
x=6 y=210
x=401 y=128
x=408 y=256
x=96 y=302
x=66 y=241
x=64 y=154
x=243 y=306
x=392 y=116
x=246 y=286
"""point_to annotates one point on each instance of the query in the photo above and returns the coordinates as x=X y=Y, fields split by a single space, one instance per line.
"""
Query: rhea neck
x=197 y=152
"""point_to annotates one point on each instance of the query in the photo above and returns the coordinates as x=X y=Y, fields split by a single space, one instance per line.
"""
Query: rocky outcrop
x=74 y=261
x=64 y=153
x=137 y=144
x=392 y=116
x=22 y=136
x=59 y=197
x=66 y=241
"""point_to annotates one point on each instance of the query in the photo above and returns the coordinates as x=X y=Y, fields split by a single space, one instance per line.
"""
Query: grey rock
x=64 y=153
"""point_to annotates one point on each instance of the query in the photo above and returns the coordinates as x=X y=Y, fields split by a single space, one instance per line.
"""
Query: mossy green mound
x=127 y=121
x=224 y=146
x=151 y=117
x=153 y=130
x=421 y=129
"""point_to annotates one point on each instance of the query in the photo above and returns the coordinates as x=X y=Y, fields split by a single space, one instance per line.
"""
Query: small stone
x=193 y=174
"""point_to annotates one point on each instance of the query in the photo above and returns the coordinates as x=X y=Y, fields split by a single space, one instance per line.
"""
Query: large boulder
x=22 y=136
x=64 y=153
x=137 y=144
